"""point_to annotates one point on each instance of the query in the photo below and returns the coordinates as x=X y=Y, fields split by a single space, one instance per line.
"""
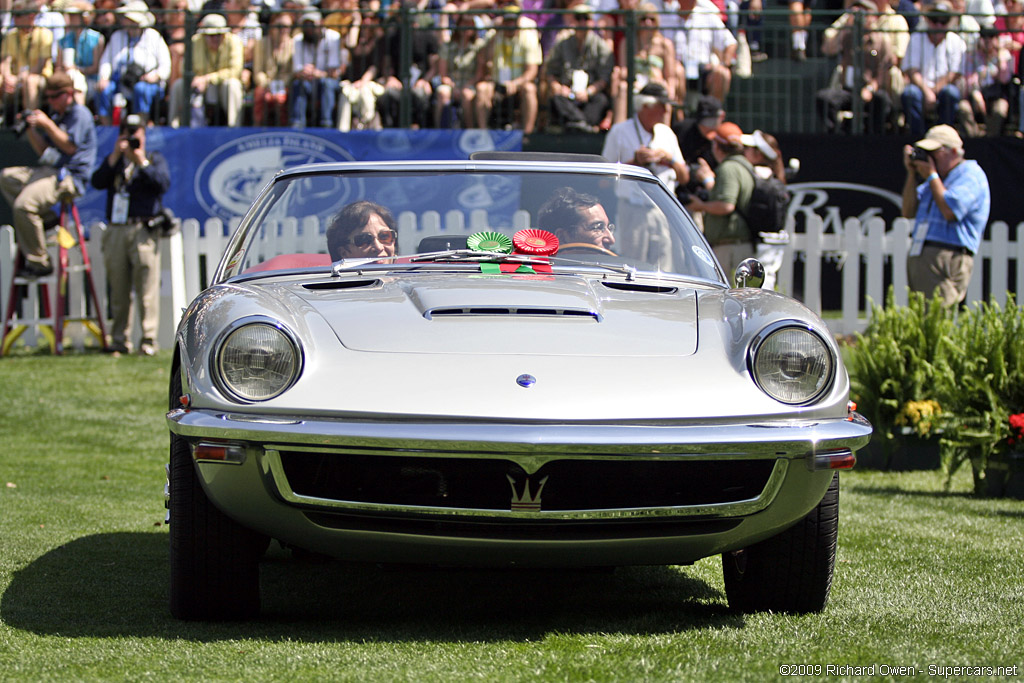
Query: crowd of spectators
x=557 y=64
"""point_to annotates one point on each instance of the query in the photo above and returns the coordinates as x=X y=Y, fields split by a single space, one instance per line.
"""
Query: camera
x=164 y=222
x=918 y=154
x=134 y=143
x=21 y=122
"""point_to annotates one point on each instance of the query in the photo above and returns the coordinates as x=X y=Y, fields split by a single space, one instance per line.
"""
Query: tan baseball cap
x=940 y=136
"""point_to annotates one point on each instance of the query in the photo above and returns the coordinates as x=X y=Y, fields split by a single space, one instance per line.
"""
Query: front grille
x=495 y=484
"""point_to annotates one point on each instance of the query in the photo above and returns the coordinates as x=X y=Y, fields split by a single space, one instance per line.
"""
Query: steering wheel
x=583 y=246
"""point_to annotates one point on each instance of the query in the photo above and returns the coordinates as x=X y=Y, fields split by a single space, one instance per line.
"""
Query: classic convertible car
x=499 y=362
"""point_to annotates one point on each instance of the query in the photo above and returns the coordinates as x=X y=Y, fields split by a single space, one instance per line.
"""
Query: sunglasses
x=941 y=21
x=365 y=239
x=55 y=95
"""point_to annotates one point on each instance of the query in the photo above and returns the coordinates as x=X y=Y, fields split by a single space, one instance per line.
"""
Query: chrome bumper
x=537 y=443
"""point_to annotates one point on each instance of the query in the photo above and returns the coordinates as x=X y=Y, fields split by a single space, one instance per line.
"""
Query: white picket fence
x=871 y=255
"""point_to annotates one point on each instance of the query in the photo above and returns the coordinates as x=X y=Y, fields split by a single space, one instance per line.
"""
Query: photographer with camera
x=135 y=181
x=65 y=140
x=950 y=210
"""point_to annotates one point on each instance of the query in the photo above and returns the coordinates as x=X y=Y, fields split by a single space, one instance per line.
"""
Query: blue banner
x=217 y=172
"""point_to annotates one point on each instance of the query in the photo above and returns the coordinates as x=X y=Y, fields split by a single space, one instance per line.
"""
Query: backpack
x=768 y=206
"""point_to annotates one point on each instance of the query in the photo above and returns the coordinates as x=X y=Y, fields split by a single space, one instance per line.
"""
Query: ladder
x=55 y=314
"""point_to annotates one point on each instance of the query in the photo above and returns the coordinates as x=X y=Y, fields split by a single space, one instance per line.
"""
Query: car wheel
x=214 y=559
x=790 y=572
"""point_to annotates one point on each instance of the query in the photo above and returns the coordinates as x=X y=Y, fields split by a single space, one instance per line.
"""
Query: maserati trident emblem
x=526 y=381
x=526 y=503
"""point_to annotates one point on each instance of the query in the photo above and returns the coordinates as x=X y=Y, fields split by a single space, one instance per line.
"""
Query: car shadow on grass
x=116 y=585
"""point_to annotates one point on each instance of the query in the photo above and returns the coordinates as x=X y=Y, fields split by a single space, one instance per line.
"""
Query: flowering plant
x=1016 y=430
x=921 y=416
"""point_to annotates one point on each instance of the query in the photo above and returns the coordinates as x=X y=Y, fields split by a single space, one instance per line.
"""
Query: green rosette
x=490 y=241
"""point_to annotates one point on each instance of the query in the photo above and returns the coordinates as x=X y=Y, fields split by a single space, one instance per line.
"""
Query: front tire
x=214 y=559
x=790 y=572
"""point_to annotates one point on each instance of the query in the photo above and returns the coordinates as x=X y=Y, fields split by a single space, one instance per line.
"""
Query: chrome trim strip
x=785 y=438
x=272 y=463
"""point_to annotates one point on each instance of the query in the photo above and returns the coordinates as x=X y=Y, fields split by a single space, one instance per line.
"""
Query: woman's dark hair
x=352 y=217
x=561 y=212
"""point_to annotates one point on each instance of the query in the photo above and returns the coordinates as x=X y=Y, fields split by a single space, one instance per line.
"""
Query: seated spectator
x=579 y=71
x=217 y=75
x=359 y=87
x=135 y=64
x=246 y=25
x=105 y=18
x=316 y=67
x=272 y=72
x=173 y=30
x=423 y=67
x=654 y=61
x=873 y=87
x=344 y=17
x=705 y=50
x=455 y=96
x=362 y=229
x=86 y=46
x=1011 y=28
x=932 y=67
x=25 y=60
x=54 y=20
x=509 y=65
x=988 y=75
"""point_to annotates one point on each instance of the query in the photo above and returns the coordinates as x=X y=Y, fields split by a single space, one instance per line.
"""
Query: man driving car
x=578 y=220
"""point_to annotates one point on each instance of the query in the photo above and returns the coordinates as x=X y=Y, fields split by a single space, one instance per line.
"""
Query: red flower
x=1017 y=429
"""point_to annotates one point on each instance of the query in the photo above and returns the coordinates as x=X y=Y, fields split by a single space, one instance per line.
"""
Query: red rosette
x=535 y=242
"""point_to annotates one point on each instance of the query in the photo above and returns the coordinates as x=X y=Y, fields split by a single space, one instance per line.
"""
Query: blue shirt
x=77 y=123
x=968 y=196
x=84 y=45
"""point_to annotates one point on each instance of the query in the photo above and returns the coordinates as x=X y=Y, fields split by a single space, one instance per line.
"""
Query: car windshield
x=470 y=215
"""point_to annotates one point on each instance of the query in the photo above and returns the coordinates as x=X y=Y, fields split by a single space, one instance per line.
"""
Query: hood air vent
x=518 y=311
x=637 y=287
x=341 y=284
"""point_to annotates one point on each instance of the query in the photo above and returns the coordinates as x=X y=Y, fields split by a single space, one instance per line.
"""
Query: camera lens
x=134 y=143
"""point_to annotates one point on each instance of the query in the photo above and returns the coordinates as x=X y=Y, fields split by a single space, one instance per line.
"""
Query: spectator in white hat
x=135 y=64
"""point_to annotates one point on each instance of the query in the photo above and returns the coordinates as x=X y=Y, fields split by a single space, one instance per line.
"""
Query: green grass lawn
x=923 y=578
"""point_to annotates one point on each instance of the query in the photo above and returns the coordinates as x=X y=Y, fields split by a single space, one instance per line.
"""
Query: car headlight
x=792 y=364
x=257 y=362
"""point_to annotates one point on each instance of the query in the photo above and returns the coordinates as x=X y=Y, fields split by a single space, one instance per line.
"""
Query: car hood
x=515 y=314
x=456 y=346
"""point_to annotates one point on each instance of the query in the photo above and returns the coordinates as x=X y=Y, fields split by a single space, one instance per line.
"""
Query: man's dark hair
x=351 y=218
x=561 y=212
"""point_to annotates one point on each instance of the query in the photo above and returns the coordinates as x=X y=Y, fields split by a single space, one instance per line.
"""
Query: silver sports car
x=499 y=362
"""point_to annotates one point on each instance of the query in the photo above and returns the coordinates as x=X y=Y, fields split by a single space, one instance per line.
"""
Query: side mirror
x=749 y=273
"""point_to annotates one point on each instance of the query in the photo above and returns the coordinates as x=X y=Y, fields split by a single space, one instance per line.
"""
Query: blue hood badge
x=526 y=381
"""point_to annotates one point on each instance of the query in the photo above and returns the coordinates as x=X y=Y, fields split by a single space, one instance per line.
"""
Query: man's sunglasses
x=365 y=239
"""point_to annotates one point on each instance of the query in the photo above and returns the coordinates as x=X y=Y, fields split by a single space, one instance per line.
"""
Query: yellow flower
x=920 y=415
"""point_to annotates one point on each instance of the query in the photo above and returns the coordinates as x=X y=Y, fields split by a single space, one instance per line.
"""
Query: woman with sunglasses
x=362 y=229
